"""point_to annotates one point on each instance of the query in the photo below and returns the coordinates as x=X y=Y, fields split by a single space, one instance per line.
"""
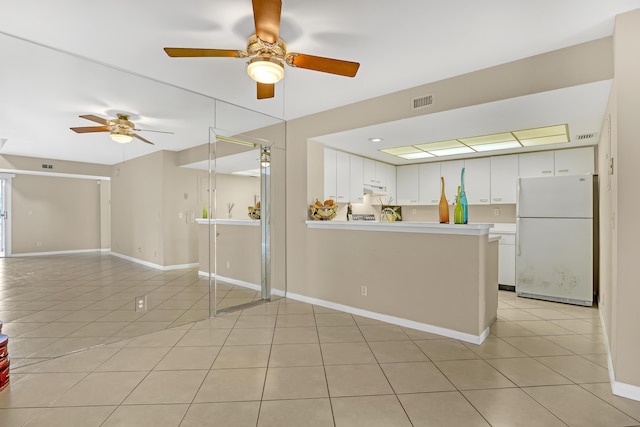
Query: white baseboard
x=618 y=388
x=450 y=333
x=79 y=251
x=152 y=265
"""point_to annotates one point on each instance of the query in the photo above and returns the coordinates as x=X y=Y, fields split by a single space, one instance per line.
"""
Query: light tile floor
x=287 y=363
x=54 y=305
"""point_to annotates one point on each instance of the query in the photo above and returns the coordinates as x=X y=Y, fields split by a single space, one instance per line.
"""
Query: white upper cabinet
x=356 y=181
x=330 y=174
x=370 y=172
x=477 y=181
x=574 y=161
x=429 y=184
x=343 y=187
x=536 y=164
x=451 y=172
x=336 y=175
x=390 y=181
x=504 y=172
x=408 y=178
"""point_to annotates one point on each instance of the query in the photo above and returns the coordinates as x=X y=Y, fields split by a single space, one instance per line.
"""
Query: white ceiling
x=54 y=57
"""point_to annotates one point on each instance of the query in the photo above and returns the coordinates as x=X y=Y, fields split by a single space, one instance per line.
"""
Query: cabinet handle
x=484 y=200
x=340 y=197
x=546 y=171
x=434 y=201
x=563 y=170
x=414 y=201
x=497 y=199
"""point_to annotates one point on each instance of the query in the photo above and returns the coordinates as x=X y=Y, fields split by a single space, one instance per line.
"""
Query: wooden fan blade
x=96 y=119
x=87 y=129
x=266 y=17
x=185 y=52
x=266 y=90
x=326 y=65
x=135 y=135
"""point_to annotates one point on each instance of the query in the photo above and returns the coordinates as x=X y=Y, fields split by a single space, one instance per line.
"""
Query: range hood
x=375 y=190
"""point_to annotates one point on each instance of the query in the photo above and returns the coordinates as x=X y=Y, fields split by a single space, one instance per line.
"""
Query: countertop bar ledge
x=224 y=221
x=404 y=227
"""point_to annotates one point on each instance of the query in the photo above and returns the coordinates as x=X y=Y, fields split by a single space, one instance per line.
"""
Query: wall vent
x=420 y=102
x=585 y=136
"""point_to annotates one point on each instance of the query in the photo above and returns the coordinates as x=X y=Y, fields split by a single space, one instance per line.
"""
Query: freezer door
x=568 y=196
x=554 y=259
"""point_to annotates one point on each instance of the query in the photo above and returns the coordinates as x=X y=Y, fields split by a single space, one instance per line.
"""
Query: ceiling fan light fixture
x=121 y=137
x=265 y=70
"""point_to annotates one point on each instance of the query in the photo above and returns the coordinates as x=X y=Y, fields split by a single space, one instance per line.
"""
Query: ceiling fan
x=267 y=53
x=121 y=129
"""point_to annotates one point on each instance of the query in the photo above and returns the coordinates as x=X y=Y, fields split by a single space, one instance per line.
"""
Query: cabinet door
x=477 y=181
x=407 y=184
x=536 y=164
x=381 y=174
x=342 y=177
x=504 y=173
x=451 y=172
x=330 y=174
x=507 y=264
x=390 y=181
x=356 y=176
x=369 y=172
x=574 y=161
x=429 y=183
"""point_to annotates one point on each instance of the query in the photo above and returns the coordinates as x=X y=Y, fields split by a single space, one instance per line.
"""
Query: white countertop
x=404 y=227
x=224 y=221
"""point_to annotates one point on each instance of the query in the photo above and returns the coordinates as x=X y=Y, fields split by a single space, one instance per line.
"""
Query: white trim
x=404 y=227
x=450 y=333
x=79 y=251
x=242 y=283
x=63 y=175
x=152 y=265
x=619 y=389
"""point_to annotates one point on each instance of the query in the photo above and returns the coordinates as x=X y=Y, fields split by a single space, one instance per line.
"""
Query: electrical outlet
x=38 y=243
x=141 y=303
x=496 y=211
x=139 y=250
x=228 y=264
x=413 y=211
x=364 y=291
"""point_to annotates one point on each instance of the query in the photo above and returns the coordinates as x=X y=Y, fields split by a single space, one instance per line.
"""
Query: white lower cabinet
x=506 y=259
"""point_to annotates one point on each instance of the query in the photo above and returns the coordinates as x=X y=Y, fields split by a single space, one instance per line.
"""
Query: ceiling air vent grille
x=585 y=136
x=420 y=102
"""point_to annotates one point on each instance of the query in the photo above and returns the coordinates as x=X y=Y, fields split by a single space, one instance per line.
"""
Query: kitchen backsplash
x=477 y=213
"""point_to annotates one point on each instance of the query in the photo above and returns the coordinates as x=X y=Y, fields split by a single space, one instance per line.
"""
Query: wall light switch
x=496 y=211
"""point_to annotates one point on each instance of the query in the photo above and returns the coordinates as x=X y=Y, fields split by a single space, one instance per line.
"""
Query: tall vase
x=463 y=199
x=458 y=212
x=444 y=206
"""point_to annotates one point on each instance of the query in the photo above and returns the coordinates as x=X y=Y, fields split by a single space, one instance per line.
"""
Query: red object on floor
x=4 y=347
x=4 y=362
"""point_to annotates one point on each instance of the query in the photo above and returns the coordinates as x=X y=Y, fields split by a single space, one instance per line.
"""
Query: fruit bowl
x=323 y=212
x=254 y=213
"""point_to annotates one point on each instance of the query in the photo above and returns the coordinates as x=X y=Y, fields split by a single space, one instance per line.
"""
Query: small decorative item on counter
x=204 y=211
x=349 y=213
x=229 y=209
x=254 y=211
x=458 y=212
x=391 y=213
x=463 y=199
x=444 y=206
x=323 y=211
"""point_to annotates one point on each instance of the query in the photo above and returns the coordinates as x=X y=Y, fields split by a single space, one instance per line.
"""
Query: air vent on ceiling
x=420 y=102
x=585 y=136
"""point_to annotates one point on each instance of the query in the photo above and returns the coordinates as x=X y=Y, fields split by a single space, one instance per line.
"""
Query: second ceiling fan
x=267 y=53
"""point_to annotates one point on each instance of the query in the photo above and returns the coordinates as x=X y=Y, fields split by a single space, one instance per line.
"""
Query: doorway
x=5 y=209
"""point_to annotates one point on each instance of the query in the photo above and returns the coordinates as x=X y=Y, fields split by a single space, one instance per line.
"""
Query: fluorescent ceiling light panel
x=497 y=146
x=401 y=150
x=488 y=139
x=440 y=145
x=541 y=132
x=452 y=151
x=556 y=139
x=413 y=156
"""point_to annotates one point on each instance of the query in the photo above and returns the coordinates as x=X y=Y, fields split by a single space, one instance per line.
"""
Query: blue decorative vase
x=463 y=199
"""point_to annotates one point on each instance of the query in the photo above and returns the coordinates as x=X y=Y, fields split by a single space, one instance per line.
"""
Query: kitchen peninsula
x=439 y=278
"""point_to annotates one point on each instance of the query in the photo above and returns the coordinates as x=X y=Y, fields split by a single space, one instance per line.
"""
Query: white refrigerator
x=555 y=238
